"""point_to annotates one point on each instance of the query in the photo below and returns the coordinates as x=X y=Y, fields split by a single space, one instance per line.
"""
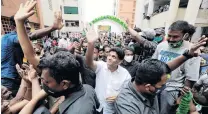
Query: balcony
x=159 y=20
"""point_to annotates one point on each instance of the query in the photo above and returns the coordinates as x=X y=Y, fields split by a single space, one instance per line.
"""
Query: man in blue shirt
x=11 y=54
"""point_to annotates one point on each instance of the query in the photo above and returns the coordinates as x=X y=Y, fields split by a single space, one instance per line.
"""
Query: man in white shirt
x=110 y=76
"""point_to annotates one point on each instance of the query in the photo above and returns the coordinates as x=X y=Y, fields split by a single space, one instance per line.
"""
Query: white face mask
x=128 y=58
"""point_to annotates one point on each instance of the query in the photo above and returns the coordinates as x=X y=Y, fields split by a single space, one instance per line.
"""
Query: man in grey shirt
x=139 y=96
x=186 y=74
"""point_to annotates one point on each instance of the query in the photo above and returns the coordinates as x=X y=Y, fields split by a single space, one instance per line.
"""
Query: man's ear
x=147 y=87
x=65 y=84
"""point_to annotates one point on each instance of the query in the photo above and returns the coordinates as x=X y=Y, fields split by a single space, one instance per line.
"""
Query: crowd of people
x=138 y=72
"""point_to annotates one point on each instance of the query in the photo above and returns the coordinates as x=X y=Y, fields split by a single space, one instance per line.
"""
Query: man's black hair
x=150 y=71
x=97 y=47
x=101 y=49
x=119 y=52
x=12 y=21
x=62 y=65
x=130 y=49
x=180 y=26
x=137 y=29
x=192 y=30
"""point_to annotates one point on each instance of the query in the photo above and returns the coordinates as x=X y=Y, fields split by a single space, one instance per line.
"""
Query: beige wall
x=10 y=7
x=126 y=10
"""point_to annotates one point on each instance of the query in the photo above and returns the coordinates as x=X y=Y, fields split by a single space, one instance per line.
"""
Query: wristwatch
x=186 y=54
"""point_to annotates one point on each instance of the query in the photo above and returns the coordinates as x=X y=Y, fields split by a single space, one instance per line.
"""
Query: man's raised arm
x=57 y=25
x=91 y=38
x=193 y=52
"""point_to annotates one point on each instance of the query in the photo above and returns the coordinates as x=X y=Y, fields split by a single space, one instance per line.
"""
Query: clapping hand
x=25 y=11
x=28 y=73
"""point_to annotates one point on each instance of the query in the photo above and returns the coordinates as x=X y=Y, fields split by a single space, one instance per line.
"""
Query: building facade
x=71 y=15
x=162 y=13
x=9 y=8
x=126 y=10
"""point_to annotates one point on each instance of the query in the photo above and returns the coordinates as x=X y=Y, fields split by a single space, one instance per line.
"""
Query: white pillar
x=150 y=7
x=139 y=13
x=192 y=11
x=197 y=35
x=172 y=13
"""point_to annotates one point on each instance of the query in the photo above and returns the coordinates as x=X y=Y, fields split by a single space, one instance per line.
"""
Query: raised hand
x=91 y=34
x=195 y=49
x=28 y=74
x=32 y=74
x=25 y=11
x=23 y=73
x=57 y=24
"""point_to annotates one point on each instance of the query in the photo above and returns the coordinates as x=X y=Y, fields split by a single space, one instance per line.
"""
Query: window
x=70 y=23
x=70 y=10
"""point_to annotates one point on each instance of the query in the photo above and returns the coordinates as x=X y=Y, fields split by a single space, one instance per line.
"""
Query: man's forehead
x=174 y=32
x=113 y=53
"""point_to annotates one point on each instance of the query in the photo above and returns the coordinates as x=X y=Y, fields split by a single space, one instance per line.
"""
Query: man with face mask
x=128 y=62
x=59 y=74
x=140 y=95
x=187 y=74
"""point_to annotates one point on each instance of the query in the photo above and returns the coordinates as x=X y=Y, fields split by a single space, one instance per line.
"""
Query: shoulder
x=162 y=44
x=88 y=102
x=89 y=88
x=100 y=63
x=127 y=102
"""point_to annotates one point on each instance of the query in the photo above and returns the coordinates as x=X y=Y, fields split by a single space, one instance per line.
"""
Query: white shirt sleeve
x=99 y=65
x=128 y=78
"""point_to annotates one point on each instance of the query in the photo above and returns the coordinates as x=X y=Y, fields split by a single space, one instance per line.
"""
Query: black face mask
x=56 y=94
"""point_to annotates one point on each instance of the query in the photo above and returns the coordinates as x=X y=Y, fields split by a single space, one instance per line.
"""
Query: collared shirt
x=131 y=67
x=82 y=102
x=108 y=84
x=11 y=54
x=130 y=101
